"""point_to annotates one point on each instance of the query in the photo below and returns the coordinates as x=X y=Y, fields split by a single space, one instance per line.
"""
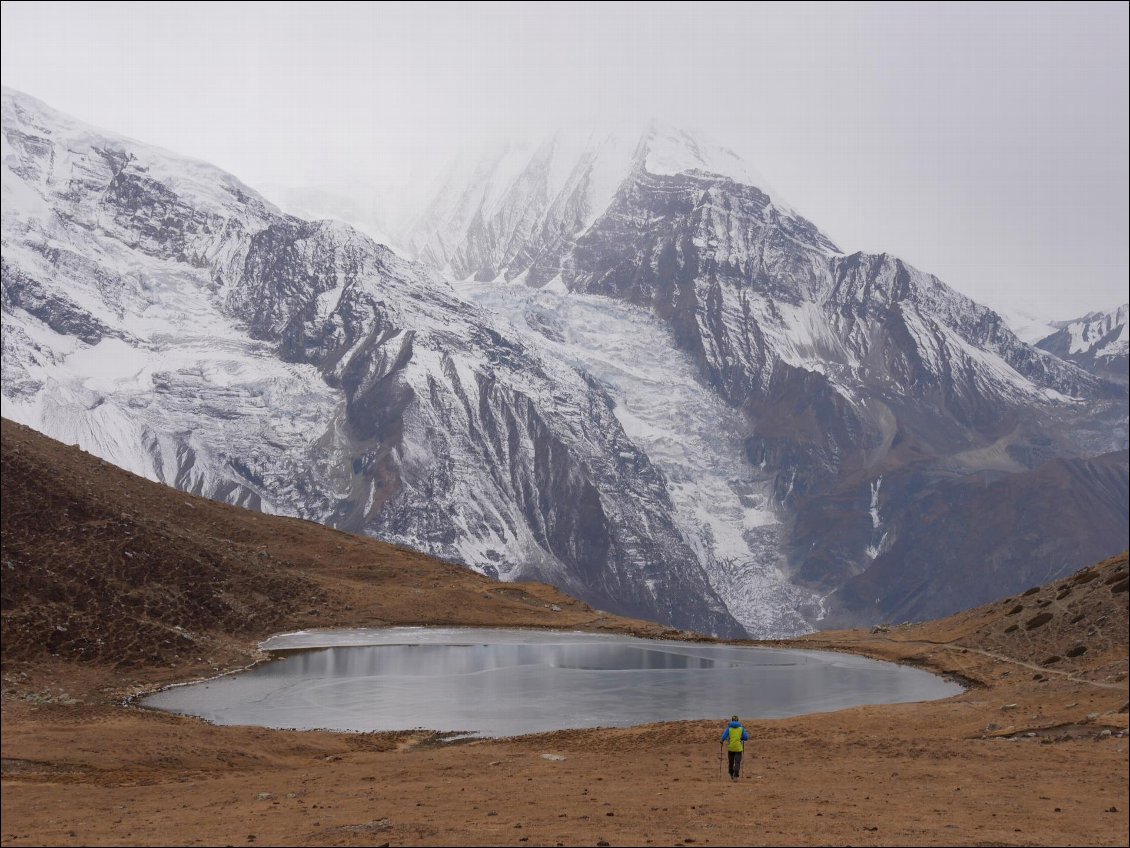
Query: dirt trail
x=950 y=646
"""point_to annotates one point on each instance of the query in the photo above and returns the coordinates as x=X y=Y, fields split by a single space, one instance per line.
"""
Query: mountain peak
x=1099 y=342
x=494 y=213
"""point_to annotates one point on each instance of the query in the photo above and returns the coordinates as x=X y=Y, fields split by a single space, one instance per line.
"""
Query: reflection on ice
x=506 y=682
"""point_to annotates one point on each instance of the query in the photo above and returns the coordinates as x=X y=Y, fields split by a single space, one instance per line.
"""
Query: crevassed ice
x=234 y=397
x=722 y=503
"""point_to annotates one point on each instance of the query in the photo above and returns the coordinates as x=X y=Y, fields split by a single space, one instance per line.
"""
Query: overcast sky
x=985 y=143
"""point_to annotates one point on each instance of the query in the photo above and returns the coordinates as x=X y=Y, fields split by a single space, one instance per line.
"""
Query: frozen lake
x=509 y=682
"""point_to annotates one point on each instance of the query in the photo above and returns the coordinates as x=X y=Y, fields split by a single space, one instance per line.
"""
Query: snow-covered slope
x=1098 y=342
x=163 y=315
x=523 y=208
x=723 y=506
x=360 y=205
x=844 y=367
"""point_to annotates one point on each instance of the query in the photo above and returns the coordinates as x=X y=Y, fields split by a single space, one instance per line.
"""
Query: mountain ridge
x=300 y=367
x=197 y=335
x=1098 y=342
x=846 y=366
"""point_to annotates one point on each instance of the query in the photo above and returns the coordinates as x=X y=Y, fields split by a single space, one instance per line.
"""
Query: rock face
x=1097 y=342
x=862 y=381
x=167 y=318
x=991 y=531
x=695 y=409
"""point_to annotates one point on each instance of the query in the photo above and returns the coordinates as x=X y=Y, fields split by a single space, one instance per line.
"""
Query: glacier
x=620 y=366
x=723 y=507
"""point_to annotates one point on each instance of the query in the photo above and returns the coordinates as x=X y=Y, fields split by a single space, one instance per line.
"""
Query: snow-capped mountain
x=653 y=384
x=519 y=211
x=858 y=377
x=166 y=317
x=1097 y=342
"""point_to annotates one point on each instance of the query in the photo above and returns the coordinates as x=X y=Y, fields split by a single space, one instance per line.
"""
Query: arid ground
x=113 y=586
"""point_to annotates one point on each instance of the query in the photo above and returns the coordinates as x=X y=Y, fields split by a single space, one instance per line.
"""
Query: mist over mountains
x=617 y=363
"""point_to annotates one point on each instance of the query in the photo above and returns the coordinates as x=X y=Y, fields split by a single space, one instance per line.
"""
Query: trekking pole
x=719 y=760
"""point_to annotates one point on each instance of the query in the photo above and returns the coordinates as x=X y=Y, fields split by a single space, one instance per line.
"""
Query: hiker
x=735 y=734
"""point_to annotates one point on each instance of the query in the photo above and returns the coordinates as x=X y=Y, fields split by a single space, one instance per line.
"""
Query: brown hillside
x=1075 y=629
x=1075 y=626
x=106 y=568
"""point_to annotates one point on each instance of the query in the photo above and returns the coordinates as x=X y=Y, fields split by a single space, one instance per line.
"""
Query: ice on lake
x=509 y=682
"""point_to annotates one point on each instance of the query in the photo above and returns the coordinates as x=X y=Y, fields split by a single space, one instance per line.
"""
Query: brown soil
x=1033 y=753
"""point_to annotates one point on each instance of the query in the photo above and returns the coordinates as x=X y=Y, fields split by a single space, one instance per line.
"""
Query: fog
x=985 y=143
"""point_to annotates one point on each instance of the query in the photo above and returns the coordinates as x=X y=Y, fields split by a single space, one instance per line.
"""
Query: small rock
x=1038 y=621
x=370 y=826
x=1009 y=706
x=554 y=757
x=264 y=796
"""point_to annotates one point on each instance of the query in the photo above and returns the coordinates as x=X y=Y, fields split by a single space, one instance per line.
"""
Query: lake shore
x=497 y=683
x=1010 y=761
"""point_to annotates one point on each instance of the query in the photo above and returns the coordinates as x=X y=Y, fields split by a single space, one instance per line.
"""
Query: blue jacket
x=735 y=740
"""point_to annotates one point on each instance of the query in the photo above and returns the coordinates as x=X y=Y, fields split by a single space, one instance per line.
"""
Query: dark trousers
x=735 y=763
